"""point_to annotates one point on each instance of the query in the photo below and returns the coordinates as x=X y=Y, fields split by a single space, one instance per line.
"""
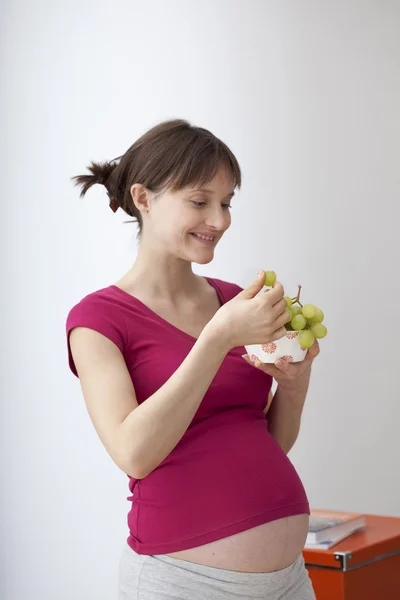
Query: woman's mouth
x=209 y=240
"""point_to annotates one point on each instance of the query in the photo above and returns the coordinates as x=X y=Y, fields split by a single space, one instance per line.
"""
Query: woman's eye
x=200 y=204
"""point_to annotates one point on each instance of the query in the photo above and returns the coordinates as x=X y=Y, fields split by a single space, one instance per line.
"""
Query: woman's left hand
x=288 y=374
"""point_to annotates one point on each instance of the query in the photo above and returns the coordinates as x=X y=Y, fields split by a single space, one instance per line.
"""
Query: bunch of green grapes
x=306 y=319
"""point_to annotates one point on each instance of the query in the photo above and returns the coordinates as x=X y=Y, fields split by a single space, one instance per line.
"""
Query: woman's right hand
x=253 y=319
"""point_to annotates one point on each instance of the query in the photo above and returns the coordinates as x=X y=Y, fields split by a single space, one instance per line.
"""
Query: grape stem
x=296 y=300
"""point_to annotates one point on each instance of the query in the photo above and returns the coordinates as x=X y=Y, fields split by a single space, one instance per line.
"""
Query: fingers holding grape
x=275 y=294
x=280 y=308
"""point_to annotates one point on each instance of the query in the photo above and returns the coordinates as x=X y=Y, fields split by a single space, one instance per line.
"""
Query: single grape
x=298 y=322
x=288 y=301
x=317 y=318
x=309 y=311
x=296 y=310
x=319 y=330
x=270 y=278
x=306 y=338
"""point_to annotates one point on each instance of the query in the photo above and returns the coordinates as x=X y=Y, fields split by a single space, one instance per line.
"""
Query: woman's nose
x=217 y=219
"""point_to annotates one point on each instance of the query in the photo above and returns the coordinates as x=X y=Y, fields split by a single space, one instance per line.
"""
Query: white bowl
x=287 y=347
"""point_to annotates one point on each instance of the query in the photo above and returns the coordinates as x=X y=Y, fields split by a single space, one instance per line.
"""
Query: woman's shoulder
x=98 y=311
x=97 y=298
x=99 y=306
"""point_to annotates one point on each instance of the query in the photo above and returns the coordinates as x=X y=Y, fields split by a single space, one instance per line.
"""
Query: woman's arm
x=140 y=437
x=284 y=412
x=284 y=415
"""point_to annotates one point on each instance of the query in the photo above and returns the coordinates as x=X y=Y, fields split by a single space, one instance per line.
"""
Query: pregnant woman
x=217 y=510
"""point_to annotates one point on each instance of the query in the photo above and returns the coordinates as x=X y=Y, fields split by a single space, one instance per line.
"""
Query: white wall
x=307 y=95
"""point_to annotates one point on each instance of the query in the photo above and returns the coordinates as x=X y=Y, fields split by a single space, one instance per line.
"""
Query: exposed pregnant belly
x=267 y=547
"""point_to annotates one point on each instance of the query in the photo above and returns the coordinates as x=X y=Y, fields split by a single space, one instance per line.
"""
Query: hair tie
x=113 y=204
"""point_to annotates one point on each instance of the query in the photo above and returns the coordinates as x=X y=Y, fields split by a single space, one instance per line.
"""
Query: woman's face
x=189 y=223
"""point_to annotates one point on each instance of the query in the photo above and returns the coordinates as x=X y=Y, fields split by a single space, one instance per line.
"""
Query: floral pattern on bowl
x=286 y=348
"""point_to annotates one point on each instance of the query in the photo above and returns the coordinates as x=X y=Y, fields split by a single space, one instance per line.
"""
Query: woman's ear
x=141 y=197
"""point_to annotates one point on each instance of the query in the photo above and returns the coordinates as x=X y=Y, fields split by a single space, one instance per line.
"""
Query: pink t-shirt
x=227 y=473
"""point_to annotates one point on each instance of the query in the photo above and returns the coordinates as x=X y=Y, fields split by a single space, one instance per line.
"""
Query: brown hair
x=171 y=155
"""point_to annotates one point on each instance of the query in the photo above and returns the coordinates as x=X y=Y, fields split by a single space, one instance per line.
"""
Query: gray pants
x=161 y=577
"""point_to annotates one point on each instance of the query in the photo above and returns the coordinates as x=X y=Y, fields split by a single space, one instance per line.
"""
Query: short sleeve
x=95 y=313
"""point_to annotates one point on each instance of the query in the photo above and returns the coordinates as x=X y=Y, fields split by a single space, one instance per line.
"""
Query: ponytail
x=100 y=173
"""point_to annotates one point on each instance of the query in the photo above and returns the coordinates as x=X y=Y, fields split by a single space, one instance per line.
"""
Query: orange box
x=364 y=566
